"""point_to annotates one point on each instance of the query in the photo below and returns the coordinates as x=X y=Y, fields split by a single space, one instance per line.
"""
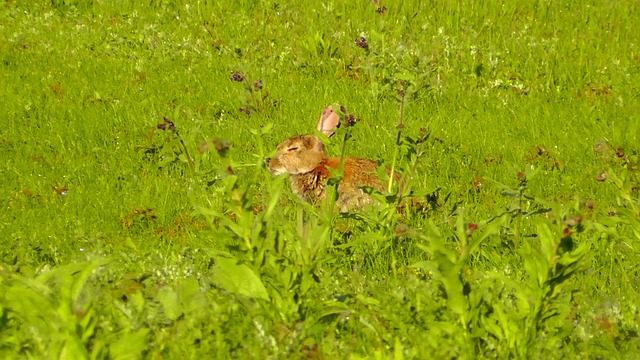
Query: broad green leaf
x=492 y=325
x=397 y=350
x=336 y=308
x=490 y=229
x=170 y=303
x=547 y=242
x=73 y=348
x=450 y=276
x=367 y=300
x=537 y=268
x=22 y=300
x=461 y=230
x=129 y=345
x=83 y=276
x=575 y=256
x=273 y=202
x=191 y=297
x=138 y=301
x=88 y=324
x=238 y=278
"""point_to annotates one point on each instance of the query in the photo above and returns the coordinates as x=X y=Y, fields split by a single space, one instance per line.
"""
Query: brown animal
x=303 y=157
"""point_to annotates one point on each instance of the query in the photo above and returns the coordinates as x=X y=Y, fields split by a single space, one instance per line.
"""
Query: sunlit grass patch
x=139 y=219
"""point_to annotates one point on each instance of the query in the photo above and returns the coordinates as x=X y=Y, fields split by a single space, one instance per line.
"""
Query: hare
x=303 y=157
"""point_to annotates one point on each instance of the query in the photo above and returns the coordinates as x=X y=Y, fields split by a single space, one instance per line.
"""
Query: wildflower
x=590 y=205
x=619 y=153
x=221 y=146
x=520 y=176
x=245 y=110
x=381 y=10
x=257 y=86
x=237 y=77
x=611 y=213
x=471 y=228
x=350 y=119
x=166 y=123
x=566 y=232
x=573 y=221
x=362 y=43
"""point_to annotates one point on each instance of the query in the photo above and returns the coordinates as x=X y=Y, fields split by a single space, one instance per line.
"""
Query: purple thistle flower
x=236 y=76
x=590 y=205
x=362 y=43
x=350 y=119
x=170 y=123
x=166 y=123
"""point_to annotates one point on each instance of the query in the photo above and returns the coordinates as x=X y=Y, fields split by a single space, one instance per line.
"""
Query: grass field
x=517 y=234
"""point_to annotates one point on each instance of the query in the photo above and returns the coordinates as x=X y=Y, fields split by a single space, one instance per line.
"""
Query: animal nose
x=267 y=160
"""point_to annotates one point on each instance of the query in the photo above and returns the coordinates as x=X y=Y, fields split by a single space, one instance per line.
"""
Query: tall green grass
x=516 y=236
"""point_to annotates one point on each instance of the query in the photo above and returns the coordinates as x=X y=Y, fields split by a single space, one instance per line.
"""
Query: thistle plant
x=169 y=126
x=256 y=99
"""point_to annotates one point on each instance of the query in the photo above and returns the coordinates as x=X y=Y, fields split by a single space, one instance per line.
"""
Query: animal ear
x=329 y=121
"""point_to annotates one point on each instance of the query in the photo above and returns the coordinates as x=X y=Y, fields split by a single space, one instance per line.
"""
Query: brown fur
x=303 y=157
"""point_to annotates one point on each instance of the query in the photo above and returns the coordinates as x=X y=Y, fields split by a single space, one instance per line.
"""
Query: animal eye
x=292 y=148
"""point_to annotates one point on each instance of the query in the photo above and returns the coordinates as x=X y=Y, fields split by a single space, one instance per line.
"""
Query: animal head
x=301 y=154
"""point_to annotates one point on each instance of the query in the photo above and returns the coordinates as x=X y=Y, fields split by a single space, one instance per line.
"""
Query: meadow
x=138 y=218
